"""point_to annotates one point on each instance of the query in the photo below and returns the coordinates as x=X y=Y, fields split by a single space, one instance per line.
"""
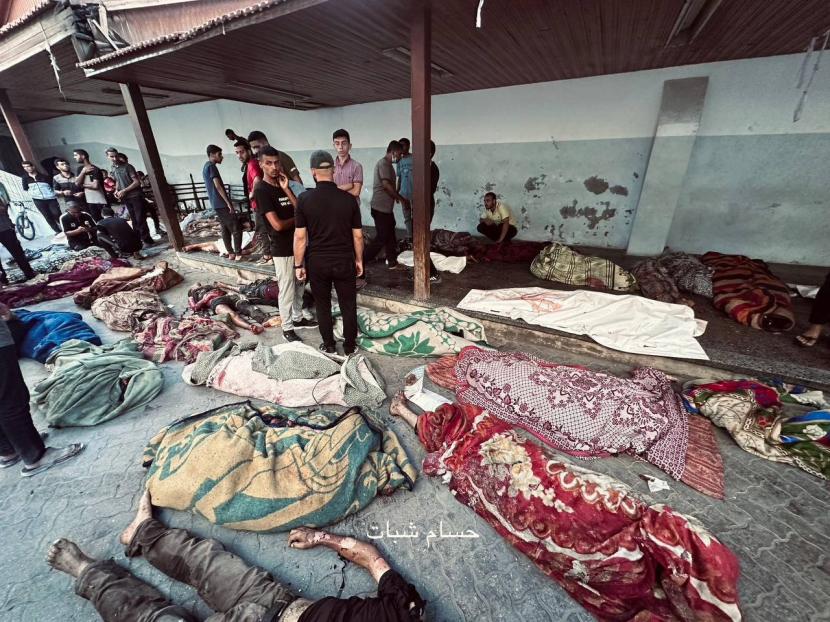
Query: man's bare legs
x=237 y=319
x=398 y=408
x=361 y=553
x=209 y=247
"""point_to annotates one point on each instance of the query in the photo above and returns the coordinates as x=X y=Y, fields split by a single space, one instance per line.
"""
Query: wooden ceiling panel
x=333 y=52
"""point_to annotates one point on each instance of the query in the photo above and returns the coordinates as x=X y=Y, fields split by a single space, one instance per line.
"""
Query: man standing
x=259 y=141
x=91 y=179
x=221 y=203
x=328 y=249
x=128 y=191
x=251 y=177
x=348 y=172
x=19 y=439
x=405 y=183
x=78 y=227
x=384 y=196
x=117 y=237
x=64 y=184
x=39 y=186
x=8 y=238
x=277 y=202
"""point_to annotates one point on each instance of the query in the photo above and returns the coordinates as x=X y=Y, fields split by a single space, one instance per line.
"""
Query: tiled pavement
x=775 y=518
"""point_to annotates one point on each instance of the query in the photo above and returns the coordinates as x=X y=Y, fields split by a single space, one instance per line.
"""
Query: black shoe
x=435 y=278
x=395 y=266
x=290 y=336
x=304 y=323
x=348 y=351
x=328 y=349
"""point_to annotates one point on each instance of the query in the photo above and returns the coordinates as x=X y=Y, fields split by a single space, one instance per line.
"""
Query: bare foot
x=145 y=512
x=65 y=556
x=398 y=405
x=256 y=329
x=232 y=256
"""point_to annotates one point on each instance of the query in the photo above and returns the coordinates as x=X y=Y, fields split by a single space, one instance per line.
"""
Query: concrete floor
x=775 y=518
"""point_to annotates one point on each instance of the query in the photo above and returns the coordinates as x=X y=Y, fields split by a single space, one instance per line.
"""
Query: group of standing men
x=315 y=235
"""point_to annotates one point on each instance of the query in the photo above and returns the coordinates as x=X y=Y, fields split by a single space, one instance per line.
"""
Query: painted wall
x=569 y=156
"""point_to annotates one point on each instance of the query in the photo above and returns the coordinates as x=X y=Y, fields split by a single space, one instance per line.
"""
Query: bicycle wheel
x=25 y=227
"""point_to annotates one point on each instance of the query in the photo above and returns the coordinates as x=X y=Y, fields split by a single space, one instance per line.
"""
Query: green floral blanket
x=429 y=332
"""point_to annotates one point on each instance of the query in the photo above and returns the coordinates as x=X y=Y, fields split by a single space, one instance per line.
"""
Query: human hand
x=300 y=274
x=305 y=538
x=117 y=194
x=358 y=265
x=283 y=181
x=66 y=193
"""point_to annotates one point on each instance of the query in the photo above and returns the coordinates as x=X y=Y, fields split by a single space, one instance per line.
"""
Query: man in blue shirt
x=405 y=179
x=221 y=203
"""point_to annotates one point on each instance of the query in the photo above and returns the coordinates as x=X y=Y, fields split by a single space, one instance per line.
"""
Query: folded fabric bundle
x=269 y=468
x=128 y=311
x=288 y=374
x=749 y=293
x=203 y=228
x=159 y=279
x=430 y=332
x=618 y=557
x=452 y=243
x=58 y=284
x=39 y=333
x=563 y=264
x=442 y=263
x=688 y=272
x=656 y=283
x=751 y=412
x=169 y=339
x=514 y=251
x=627 y=323
x=53 y=257
x=91 y=384
x=591 y=414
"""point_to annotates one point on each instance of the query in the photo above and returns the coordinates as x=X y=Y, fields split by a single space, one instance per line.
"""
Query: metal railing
x=192 y=197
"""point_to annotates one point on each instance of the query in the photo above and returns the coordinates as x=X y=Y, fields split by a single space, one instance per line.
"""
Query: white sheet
x=627 y=323
x=442 y=263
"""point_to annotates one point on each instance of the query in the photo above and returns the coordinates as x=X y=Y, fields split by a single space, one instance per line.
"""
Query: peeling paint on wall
x=535 y=183
x=589 y=213
x=595 y=184
x=621 y=190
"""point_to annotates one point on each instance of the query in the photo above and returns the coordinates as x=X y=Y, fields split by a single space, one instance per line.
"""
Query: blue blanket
x=38 y=333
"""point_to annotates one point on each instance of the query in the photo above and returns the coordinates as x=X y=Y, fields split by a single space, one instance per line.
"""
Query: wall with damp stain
x=568 y=156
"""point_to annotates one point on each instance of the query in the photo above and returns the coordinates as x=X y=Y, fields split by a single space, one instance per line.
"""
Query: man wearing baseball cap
x=328 y=250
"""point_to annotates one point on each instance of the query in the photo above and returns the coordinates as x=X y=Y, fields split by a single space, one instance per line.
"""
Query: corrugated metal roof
x=36 y=10
x=178 y=37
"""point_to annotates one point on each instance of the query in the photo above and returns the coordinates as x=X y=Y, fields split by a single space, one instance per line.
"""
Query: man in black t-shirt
x=116 y=236
x=78 y=226
x=276 y=203
x=328 y=249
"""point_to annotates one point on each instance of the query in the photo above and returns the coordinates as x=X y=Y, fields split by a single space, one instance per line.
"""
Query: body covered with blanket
x=618 y=557
x=272 y=468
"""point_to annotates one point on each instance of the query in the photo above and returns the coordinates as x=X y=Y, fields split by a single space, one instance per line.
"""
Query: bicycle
x=25 y=226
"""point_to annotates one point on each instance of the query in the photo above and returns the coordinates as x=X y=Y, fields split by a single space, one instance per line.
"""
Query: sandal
x=70 y=451
x=10 y=461
x=806 y=342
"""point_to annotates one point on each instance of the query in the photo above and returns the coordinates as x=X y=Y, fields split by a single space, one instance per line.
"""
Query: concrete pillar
x=674 y=141
x=16 y=129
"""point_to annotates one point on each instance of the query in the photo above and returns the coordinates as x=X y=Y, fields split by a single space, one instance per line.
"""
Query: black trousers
x=820 y=313
x=94 y=210
x=384 y=238
x=152 y=210
x=137 y=208
x=50 y=209
x=323 y=273
x=494 y=231
x=9 y=240
x=116 y=247
x=231 y=230
x=17 y=432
